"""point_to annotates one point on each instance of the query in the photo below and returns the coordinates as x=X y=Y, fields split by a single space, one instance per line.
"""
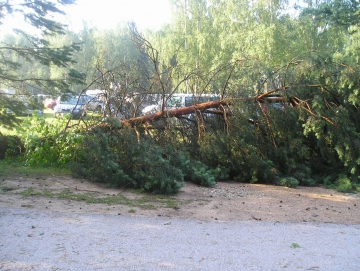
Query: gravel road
x=38 y=240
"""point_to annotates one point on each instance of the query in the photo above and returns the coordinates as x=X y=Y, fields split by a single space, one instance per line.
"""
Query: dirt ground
x=224 y=202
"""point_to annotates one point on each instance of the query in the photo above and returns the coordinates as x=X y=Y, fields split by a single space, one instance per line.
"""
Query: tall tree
x=34 y=49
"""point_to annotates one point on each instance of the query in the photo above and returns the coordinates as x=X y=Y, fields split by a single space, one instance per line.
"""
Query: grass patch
x=15 y=169
x=30 y=192
x=147 y=202
x=170 y=203
x=47 y=193
x=295 y=245
x=5 y=189
x=48 y=115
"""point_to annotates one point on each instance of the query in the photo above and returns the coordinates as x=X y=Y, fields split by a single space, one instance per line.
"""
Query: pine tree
x=35 y=51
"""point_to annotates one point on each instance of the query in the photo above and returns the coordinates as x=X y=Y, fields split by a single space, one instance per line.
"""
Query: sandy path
x=46 y=240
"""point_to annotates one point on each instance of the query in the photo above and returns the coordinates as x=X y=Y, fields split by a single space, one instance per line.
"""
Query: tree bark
x=174 y=112
x=177 y=112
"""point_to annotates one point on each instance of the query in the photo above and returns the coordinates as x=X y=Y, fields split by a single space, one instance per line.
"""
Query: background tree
x=35 y=50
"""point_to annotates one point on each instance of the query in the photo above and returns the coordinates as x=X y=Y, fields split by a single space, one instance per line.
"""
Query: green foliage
x=303 y=174
x=329 y=180
x=185 y=157
x=288 y=182
x=295 y=245
x=10 y=146
x=343 y=184
x=197 y=172
x=98 y=163
x=47 y=145
x=118 y=158
x=27 y=59
x=308 y=182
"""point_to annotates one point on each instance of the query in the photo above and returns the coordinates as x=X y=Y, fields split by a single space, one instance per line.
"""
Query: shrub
x=308 y=182
x=343 y=184
x=182 y=154
x=47 y=145
x=99 y=164
x=117 y=157
x=288 y=182
x=198 y=173
x=10 y=146
x=330 y=180
x=303 y=174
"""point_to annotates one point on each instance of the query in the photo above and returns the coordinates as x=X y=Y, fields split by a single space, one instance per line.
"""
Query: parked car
x=95 y=103
x=21 y=105
x=71 y=105
x=178 y=100
x=50 y=103
x=26 y=112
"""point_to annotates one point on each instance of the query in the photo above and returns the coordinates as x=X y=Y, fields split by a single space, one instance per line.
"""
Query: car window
x=74 y=100
x=174 y=102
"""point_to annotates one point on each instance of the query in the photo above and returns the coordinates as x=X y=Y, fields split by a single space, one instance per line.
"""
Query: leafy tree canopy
x=26 y=59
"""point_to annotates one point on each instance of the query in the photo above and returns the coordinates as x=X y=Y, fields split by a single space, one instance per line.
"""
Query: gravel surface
x=44 y=240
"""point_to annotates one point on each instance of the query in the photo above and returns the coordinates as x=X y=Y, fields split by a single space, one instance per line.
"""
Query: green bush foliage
x=288 y=182
x=196 y=172
x=180 y=150
x=343 y=184
x=46 y=144
x=10 y=146
x=118 y=158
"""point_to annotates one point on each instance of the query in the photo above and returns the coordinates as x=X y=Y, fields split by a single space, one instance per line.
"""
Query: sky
x=106 y=14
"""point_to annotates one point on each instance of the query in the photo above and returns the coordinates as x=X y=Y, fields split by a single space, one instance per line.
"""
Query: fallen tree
x=178 y=112
x=220 y=105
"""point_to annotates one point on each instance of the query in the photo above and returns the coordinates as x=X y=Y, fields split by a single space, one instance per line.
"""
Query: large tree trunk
x=174 y=112
x=178 y=112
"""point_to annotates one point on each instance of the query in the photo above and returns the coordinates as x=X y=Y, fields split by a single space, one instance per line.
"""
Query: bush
x=183 y=156
x=10 y=146
x=308 y=182
x=288 y=182
x=98 y=163
x=46 y=144
x=117 y=157
x=343 y=184
x=303 y=174
x=198 y=173
x=330 y=180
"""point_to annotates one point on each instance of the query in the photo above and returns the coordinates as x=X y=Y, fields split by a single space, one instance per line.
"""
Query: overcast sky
x=106 y=14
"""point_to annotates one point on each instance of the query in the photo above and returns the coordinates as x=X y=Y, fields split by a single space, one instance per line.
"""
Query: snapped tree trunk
x=178 y=112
